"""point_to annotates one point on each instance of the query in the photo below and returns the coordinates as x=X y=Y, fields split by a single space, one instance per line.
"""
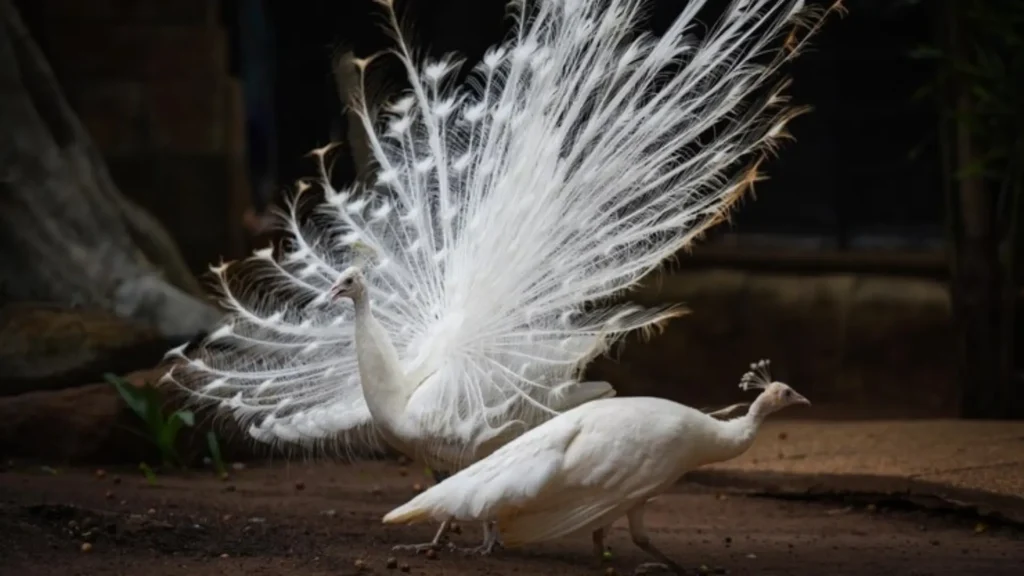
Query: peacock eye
x=787 y=393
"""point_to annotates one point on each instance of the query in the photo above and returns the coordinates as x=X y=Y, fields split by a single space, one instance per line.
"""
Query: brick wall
x=149 y=80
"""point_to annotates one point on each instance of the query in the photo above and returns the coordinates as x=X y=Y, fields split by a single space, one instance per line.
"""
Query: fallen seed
x=417 y=488
x=225 y=555
x=431 y=555
x=86 y=547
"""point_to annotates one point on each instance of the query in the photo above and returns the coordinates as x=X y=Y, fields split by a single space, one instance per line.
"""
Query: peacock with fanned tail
x=453 y=303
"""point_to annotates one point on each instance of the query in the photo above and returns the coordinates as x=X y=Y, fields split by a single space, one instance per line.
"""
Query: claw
x=481 y=550
x=649 y=567
x=417 y=548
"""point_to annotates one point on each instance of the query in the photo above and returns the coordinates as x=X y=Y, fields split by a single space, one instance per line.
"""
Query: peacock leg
x=434 y=544
x=442 y=531
x=643 y=541
x=600 y=550
x=490 y=541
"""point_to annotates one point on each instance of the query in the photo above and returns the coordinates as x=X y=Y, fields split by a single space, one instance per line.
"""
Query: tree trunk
x=982 y=284
x=67 y=235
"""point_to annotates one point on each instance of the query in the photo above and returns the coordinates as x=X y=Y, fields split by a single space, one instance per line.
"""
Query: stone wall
x=149 y=80
x=862 y=344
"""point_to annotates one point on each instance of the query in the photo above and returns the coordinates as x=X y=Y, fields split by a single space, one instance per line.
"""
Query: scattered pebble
x=86 y=547
x=300 y=485
x=151 y=511
x=872 y=507
x=109 y=495
x=404 y=568
x=225 y=555
x=752 y=556
x=226 y=517
x=376 y=490
x=330 y=513
x=360 y=564
x=237 y=466
x=979 y=528
x=454 y=528
x=431 y=554
x=609 y=571
x=392 y=563
x=417 y=488
x=224 y=476
x=101 y=473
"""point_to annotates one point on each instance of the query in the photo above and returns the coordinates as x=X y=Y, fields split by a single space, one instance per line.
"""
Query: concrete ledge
x=952 y=464
x=922 y=493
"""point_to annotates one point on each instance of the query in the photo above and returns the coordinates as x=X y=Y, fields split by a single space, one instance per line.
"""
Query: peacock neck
x=736 y=436
x=380 y=373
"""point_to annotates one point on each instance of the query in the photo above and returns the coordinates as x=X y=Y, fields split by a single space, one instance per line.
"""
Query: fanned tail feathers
x=578 y=156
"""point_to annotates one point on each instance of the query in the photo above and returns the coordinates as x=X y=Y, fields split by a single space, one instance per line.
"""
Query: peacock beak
x=335 y=291
x=800 y=399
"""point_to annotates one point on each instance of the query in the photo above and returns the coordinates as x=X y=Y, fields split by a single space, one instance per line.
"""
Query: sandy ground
x=314 y=520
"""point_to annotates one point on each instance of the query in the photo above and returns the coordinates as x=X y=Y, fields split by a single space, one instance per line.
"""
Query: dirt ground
x=313 y=520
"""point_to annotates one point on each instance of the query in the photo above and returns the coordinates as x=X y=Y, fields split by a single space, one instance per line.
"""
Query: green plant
x=215 y=456
x=162 y=431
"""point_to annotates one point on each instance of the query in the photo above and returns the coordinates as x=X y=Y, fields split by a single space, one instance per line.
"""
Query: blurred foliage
x=987 y=70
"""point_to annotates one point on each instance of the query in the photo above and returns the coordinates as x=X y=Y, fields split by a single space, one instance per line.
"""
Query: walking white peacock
x=578 y=156
x=584 y=469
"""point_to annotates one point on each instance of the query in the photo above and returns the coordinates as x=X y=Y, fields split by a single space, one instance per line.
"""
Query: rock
x=45 y=347
x=87 y=424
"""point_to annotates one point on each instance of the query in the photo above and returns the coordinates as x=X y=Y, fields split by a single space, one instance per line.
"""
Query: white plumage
x=589 y=466
x=568 y=166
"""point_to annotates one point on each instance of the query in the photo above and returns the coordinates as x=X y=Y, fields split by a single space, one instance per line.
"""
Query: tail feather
x=408 y=513
x=577 y=157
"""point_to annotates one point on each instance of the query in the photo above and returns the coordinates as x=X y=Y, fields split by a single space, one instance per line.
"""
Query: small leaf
x=215 y=455
x=147 y=472
x=131 y=395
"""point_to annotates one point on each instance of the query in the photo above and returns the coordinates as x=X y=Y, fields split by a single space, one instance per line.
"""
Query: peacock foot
x=653 y=568
x=417 y=548
x=482 y=550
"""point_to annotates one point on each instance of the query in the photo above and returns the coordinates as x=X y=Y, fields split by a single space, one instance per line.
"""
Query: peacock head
x=350 y=284
x=775 y=395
